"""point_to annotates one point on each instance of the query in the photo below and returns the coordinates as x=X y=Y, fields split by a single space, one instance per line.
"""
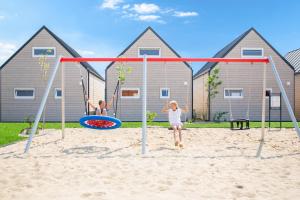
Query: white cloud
x=167 y=11
x=148 y=18
x=147 y=12
x=185 y=14
x=111 y=4
x=86 y=53
x=145 y=8
x=6 y=50
x=2 y=17
x=125 y=6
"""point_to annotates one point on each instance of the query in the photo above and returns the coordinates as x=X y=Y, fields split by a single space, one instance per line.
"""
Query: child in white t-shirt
x=174 y=112
x=102 y=107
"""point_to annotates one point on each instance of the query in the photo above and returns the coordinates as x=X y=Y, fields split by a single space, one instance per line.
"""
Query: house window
x=164 y=93
x=234 y=93
x=130 y=93
x=57 y=93
x=252 y=52
x=150 y=52
x=24 y=93
x=43 y=51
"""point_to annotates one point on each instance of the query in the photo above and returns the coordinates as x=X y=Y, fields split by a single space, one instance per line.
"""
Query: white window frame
x=55 y=93
x=246 y=48
x=233 y=97
x=20 y=97
x=149 y=56
x=38 y=56
x=162 y=97
x=130 y=97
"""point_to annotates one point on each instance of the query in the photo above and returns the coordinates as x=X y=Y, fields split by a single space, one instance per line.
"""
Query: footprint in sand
x=164 y=185
x=84 y=195
x=239 y=186
x=163 y=188
x=90 y=195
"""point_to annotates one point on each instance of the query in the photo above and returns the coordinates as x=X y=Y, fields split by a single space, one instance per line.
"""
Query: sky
x=104 y=28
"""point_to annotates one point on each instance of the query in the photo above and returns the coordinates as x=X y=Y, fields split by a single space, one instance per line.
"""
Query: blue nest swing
x=97 y=121
x=100 y=122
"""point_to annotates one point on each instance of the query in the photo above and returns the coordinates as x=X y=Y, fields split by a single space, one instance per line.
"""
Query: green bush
x=220 y=116
x=151 y=116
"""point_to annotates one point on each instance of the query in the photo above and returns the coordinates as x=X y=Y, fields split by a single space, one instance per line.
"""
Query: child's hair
x=100 y=102
x=174 y=102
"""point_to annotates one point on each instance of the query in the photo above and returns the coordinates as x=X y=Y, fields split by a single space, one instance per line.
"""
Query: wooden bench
x=240 y=124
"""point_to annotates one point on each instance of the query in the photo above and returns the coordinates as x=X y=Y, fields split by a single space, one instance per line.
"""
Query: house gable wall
x=24 y=71
x=297 y=95
x=250 y=77
x=173 y=77
x=200 y=96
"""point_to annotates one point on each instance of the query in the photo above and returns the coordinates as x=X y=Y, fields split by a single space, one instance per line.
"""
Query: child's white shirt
x=174 y=116
x=99 y=112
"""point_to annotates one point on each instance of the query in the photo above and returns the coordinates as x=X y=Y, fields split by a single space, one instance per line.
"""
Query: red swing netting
x=100 y=123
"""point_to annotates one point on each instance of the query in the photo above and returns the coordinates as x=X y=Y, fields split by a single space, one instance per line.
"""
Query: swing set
x=62 y=60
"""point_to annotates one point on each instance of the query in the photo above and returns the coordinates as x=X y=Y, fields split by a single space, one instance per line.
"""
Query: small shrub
x=190 y=121
x=29 y=121
x=123 y=71
x=220 y=116
x=151 y=116
x=213 y=83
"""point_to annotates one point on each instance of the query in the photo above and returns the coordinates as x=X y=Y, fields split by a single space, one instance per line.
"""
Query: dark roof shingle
x=294 y=58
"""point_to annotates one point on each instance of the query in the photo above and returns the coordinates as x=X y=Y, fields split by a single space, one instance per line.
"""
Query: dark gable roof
x=65 y=45
x=223 y=52
x=294 y=58
x=149 y=28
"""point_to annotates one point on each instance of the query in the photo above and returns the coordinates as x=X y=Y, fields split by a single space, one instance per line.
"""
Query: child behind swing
x=175 y=112
x=102 y=107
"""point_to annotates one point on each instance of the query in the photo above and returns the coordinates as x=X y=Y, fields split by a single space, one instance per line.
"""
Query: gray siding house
x=166 y=81
x=23 y=78
x=294 y=58
x=242 y=82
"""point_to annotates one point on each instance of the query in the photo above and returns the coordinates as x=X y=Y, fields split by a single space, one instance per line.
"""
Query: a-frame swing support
x=284 y=95
x=145 y=60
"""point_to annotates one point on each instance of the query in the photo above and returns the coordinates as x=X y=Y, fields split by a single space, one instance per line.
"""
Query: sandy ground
x=91 y=164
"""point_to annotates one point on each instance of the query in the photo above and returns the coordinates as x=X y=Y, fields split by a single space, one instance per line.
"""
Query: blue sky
x=194 y=28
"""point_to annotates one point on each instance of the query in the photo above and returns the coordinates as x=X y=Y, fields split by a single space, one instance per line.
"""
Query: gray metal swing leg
x=284 y=95
x=43 y=103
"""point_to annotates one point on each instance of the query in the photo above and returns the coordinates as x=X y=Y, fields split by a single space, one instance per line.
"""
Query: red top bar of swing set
x=226 y=60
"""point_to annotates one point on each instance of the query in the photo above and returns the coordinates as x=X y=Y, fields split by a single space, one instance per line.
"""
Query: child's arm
x=90 y=104
x=185 y=109
x=108 y=106
x=165 y=108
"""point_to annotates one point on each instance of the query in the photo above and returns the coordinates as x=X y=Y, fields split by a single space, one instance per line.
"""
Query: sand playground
x=93 y=164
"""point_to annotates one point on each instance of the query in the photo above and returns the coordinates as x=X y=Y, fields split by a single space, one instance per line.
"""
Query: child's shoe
x=181 y=145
